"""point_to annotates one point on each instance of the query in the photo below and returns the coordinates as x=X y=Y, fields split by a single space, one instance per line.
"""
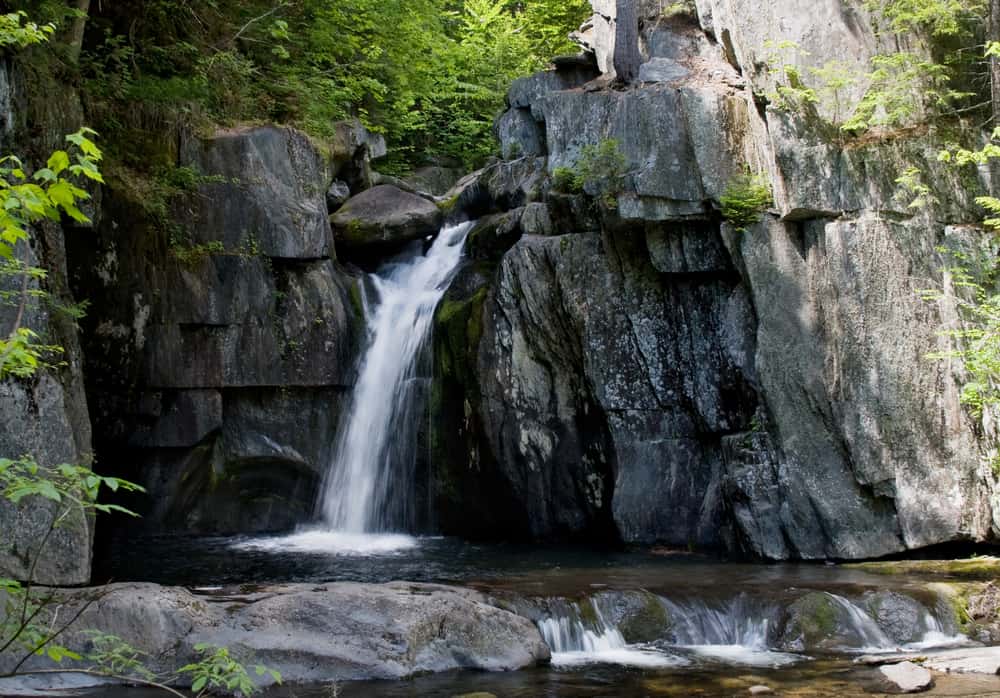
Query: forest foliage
x=429 y=74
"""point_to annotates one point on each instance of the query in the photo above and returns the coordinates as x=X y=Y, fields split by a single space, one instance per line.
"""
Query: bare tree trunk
x=626 y=56
x=75 y=38
x=993 y=35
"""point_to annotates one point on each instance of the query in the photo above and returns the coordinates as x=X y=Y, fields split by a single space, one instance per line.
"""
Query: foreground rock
x=310 y=633
x=907 y=677
x=383 y=217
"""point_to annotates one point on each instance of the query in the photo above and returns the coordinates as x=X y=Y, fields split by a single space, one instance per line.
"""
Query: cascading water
x=367 y=491
x=741 y=630
x=572 y=642
x=368 y=487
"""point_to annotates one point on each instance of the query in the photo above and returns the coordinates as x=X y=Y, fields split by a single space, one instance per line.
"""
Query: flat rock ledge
x=313 y=633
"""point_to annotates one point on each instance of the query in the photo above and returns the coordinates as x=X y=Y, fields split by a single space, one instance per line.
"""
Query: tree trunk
x=993 y=35
x=75 y=38
x=626 y=56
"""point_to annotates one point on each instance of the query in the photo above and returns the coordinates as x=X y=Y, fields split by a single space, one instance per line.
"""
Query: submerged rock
x=318 y=634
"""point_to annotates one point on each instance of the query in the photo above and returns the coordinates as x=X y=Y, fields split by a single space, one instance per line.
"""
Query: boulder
x=907 y=677
x=316 y=634
x=382 y=218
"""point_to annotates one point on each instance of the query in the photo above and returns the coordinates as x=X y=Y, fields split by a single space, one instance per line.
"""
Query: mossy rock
x=639 y=615
x=816 y=621
x=979 y=568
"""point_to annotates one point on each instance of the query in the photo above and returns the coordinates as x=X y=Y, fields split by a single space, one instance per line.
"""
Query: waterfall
x=369 y=484
x=367 y=491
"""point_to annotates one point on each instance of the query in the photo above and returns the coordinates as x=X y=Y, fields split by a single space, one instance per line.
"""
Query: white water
x=573 y=644
x=739 y=631
x=736 y=631
x=364 y=491
x=366 y=495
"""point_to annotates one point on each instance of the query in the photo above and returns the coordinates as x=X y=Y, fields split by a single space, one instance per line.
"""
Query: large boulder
x=315 y=634
x=384 y=218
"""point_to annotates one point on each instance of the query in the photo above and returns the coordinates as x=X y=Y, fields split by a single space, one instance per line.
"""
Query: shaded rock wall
x=651 y=372
x=222 y=344
x=44 y=416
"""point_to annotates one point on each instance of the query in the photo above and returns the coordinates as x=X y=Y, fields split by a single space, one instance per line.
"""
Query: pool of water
x=724 y=655
x=312 y=557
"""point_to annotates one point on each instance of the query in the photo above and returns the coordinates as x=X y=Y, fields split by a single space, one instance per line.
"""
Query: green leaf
x=199 y=684
x=58 y=161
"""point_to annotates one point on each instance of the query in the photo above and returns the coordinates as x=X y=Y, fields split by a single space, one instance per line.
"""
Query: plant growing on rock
x=745 y=199
x=602 y=169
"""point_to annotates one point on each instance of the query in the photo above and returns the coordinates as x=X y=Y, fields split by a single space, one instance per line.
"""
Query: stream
x=618 y=623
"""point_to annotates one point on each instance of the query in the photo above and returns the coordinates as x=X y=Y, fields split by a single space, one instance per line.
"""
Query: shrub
x=566 y=180
x=745 y=199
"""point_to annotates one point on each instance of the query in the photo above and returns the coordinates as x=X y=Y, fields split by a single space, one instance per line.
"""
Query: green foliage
x=745 y=199
x=938 y=17
x=430 y=74
x=25 y=199
x=219 y=670
x=602 y=170
x=903 y=88
x=790 y=93
x=16 y=32
x=912 y=182
x=191 y=255
x=567 y=180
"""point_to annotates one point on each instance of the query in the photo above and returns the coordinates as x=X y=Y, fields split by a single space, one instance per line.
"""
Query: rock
x=640 y=616
x=899 y=616
x=907 y=677
x=760 y=691
x=520 y=135
x=265 y=191
x=337 y=195
x=319 y=634
x=536 y=219
x=45 y=417
x=493 y=235
x=820 y=621
x=383 y=218
x=662 y=70
x=572 y=392
x=434 y=179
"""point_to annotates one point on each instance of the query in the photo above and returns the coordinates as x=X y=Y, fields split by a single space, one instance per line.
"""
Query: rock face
x=319 y=634
x=220 y=348
x=646 y=372
x=44 y=416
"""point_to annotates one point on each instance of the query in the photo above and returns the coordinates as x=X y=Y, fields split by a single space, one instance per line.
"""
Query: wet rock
x=382 y=218
x=907 y=677
x=318 y=634
x=899 y=616
x=822 y=621
x=639 y=615
x=760 y=691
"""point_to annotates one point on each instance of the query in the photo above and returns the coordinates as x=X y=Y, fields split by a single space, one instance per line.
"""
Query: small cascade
x=741 y=630
x=574 y=641
x=738 y=621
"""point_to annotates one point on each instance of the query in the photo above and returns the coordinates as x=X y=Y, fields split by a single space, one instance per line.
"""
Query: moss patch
x=978 y=568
